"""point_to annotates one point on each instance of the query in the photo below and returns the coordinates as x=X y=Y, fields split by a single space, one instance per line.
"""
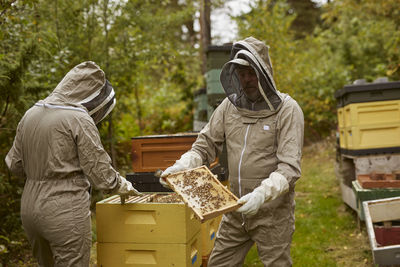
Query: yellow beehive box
x=383 y=135
x=144 y=255
x=371 y=113
x=144 y=222
x=342 y=138
x=340 y=117
x=208 y=234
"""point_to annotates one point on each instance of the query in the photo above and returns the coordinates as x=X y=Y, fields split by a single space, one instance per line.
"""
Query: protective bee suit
x=264 y=139
x=57 y=149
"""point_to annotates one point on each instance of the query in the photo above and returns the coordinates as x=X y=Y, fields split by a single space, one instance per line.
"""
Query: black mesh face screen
x=101 y=113
x=99 y=106
x=245 y=54
x=230 y=81
x=98 y=100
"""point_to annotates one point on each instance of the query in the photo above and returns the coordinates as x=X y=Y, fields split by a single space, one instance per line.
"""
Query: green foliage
x=307 y=16
x=162 y=69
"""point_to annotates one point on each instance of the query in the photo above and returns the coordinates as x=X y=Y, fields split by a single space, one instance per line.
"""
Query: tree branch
x=5 y=10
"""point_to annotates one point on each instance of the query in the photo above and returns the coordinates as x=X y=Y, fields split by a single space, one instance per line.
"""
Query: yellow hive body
x=146 y=254
x=372 y=113
x=144 y=222
x=340 y=117
x=369 y=125
x=144 y=233
x=208 y=234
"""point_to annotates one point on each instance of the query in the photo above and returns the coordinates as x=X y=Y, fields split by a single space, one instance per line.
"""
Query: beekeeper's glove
x=269 y=189
x=126 y=189
x=187 y=161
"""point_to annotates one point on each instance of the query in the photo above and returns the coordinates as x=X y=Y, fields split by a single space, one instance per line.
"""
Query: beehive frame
x=203 y=192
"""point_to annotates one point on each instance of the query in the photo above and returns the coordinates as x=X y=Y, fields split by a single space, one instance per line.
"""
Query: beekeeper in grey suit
x=57 y=149
x=263 y=129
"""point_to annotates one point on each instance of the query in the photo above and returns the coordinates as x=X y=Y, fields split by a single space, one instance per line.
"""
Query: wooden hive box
x=153 y=152
x=202 y=191
x=386 y=211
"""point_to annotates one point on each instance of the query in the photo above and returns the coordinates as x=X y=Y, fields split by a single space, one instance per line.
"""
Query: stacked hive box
x=369 y=132
x=200 y=109
x=153 y=152
x=147 y=234
x=382 y=217
x=369 y=118
x=156 y=152
x=217 y=56
x=208 y=234
x=363 y=194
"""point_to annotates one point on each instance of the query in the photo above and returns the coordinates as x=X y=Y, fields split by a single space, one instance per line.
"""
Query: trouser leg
x=40 y=246
x=231 y=245
x=273 y=244
x=75 y=251
x=71 y=244
x=68 y=231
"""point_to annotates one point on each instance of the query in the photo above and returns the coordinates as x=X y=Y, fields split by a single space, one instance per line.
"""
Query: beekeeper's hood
x=254 y=53
x=84 y=87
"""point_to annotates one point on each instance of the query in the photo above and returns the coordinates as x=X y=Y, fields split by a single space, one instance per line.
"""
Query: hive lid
x=202 y=192
x=360 y=87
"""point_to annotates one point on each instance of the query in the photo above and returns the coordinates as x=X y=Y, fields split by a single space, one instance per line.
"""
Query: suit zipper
x=240 y=164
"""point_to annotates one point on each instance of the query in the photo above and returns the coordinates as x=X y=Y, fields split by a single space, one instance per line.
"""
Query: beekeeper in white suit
x=57 y=149
x=263 y=129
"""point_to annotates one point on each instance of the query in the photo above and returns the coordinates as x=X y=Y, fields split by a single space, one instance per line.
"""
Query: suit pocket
x=262 y=137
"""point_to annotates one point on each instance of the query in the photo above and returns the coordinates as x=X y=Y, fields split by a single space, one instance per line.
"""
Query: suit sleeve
x=94 y=160
x=14 y=156
x=210 y=141
x=290 y=141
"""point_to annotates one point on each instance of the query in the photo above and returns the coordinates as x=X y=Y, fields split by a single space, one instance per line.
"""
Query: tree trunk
x=205 y=31
x=110 y=124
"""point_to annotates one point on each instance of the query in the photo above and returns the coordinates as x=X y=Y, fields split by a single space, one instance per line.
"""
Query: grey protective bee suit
x=57 y=149
x=262 y=138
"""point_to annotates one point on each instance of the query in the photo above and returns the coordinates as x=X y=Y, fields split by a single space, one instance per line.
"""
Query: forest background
x=153 y=55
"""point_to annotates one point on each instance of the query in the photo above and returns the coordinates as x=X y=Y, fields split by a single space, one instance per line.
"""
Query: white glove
x=187 y=161
x=164 y=183
x=269 y=189
x=126 y=188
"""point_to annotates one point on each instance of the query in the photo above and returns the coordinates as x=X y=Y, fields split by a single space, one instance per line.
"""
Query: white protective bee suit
x=264 y=140
x=57 y=149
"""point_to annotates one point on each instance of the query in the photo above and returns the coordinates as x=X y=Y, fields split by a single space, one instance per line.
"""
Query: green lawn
x=327 y=232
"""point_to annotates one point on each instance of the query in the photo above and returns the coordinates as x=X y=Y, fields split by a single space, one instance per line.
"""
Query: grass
x=327 y=231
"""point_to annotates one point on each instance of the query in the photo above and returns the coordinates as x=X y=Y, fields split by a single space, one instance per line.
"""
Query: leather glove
x=269 y=189
x=187 y=161
x=126 y=189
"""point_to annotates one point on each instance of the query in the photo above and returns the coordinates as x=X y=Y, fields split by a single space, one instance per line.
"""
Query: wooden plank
x=384 y=210
x=203 y=192
x=348 y=196
x=381 y=209
x=388 y=181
